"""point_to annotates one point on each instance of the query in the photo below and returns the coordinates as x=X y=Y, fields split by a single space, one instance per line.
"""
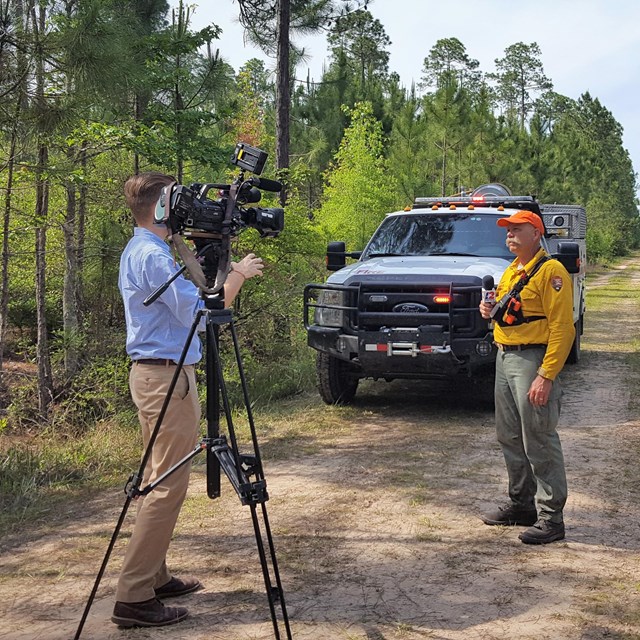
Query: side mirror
x=569 y=255
x=336 y=256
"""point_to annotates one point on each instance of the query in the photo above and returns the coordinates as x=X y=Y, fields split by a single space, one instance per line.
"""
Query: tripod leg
x=247 y=403
x=103 y=567
x=132 y=489
x=259 y=472
x=230 y=460
x=272 y=593
x=276 y=571
x=217 y=374
x=265 y=571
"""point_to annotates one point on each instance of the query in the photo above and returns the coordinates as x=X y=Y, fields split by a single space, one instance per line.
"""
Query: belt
x=519 y=347
x=163 y=362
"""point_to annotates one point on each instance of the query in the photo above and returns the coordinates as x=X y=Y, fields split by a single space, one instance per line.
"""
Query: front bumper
x=404 y=353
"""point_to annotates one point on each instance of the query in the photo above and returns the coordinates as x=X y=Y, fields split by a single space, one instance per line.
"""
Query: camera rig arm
x=191 y=264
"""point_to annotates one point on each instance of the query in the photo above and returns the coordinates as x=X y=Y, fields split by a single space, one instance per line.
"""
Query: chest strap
x=508 y=311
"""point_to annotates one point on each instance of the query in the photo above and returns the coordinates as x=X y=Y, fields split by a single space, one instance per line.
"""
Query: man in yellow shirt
x=534 y=332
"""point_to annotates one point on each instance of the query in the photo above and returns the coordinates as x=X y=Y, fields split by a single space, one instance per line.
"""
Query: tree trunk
x=283 y=92
x=4 y=291
x=137 y=114
x=21 y=67
x=70 y=285
x=81 y=237
x=45 y=381
x=443 y=184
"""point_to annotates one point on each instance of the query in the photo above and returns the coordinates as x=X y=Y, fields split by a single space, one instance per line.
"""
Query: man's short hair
x=143 y=190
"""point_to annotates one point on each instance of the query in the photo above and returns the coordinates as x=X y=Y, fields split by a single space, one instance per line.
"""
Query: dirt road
x=376 y=528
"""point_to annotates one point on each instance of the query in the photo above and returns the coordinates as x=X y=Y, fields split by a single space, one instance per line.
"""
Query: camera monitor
x=249 y=158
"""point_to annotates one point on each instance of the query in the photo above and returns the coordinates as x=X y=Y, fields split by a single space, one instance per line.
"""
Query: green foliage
x=37 y=474
x=588 y=164
x=448 y=61
x=163 y=100
x=519 y=74
x=99 y=393
x=362 y=41
x=609 y=230
x=416 y=165
x=359 y=188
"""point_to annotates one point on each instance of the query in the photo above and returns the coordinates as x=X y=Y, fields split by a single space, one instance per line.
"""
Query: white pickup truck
x=408 y=307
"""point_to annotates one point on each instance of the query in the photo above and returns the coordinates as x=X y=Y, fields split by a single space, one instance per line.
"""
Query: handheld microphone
x=488 y=290
x=265 y=184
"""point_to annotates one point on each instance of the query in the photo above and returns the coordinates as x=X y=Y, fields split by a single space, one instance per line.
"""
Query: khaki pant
x=144 y=566
x=528 y=437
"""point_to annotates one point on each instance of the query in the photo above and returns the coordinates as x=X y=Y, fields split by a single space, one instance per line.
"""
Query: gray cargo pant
x=528 y=436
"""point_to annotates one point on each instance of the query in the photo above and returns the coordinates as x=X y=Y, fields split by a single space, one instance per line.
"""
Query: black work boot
x=509 y=515
x=543 y=532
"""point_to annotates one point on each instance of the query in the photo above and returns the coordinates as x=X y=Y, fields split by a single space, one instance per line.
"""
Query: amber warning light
x=442 y=299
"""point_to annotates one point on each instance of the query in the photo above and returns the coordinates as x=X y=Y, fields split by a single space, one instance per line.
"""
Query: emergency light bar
x=508 y=202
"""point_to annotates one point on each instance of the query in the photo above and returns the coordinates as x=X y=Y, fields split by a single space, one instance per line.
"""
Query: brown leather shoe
x=150 y=613
x=178 y=587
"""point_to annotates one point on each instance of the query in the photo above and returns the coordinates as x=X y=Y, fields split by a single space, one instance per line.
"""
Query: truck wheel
x=337 y=383
x=574 y=354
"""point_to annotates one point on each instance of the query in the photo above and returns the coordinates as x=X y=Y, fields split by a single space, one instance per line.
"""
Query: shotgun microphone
x=265 y=184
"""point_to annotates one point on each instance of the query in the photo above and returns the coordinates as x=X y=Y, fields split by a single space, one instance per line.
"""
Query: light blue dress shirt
x=159 y=330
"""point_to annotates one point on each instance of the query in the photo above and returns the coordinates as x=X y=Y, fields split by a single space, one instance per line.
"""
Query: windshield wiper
x=454 y=253
x=389 y=255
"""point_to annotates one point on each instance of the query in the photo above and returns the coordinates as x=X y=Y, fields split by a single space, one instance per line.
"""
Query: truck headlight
x=330 y=317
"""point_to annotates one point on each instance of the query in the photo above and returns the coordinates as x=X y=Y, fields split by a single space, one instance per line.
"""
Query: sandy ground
x=376 y=528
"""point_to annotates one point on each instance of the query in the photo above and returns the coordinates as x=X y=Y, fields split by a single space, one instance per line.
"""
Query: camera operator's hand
x=248 y=267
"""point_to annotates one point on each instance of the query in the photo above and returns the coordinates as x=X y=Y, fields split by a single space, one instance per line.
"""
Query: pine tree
x=520 y=75
x=360 y=189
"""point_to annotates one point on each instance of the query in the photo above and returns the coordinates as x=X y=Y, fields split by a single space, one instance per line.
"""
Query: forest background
x=94 y=91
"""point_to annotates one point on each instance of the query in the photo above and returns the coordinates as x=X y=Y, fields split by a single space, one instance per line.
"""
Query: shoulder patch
x=556 y=282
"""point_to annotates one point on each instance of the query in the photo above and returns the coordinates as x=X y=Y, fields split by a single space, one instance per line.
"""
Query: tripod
x=244 y=471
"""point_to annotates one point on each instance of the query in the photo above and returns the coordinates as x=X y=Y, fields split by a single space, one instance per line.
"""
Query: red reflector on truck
x=376 y=347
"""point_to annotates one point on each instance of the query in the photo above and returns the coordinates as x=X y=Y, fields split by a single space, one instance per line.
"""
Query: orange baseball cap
x=520 y=217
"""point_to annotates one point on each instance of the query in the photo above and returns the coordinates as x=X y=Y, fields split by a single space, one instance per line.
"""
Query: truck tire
x=574 y=354
x=337 y=382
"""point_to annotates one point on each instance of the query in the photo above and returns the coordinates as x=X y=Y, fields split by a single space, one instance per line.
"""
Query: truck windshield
x=459 y=234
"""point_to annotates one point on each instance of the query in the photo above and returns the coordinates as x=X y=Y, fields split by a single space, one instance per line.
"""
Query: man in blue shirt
x=156 y=336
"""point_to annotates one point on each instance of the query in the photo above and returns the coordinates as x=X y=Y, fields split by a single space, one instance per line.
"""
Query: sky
x=586 y=45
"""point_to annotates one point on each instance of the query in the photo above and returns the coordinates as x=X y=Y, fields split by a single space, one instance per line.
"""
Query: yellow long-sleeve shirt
x=549 y=293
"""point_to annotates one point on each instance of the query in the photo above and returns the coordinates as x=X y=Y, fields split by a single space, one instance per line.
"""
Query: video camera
x=211 y=224
x=191 y=213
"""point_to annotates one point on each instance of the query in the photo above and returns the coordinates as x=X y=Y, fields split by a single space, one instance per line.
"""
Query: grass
x=41 y=474
x=620 y=289
x=614 y=598
x=42 y=469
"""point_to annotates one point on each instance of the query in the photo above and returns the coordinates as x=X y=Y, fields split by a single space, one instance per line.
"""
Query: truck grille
x=429 y=303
